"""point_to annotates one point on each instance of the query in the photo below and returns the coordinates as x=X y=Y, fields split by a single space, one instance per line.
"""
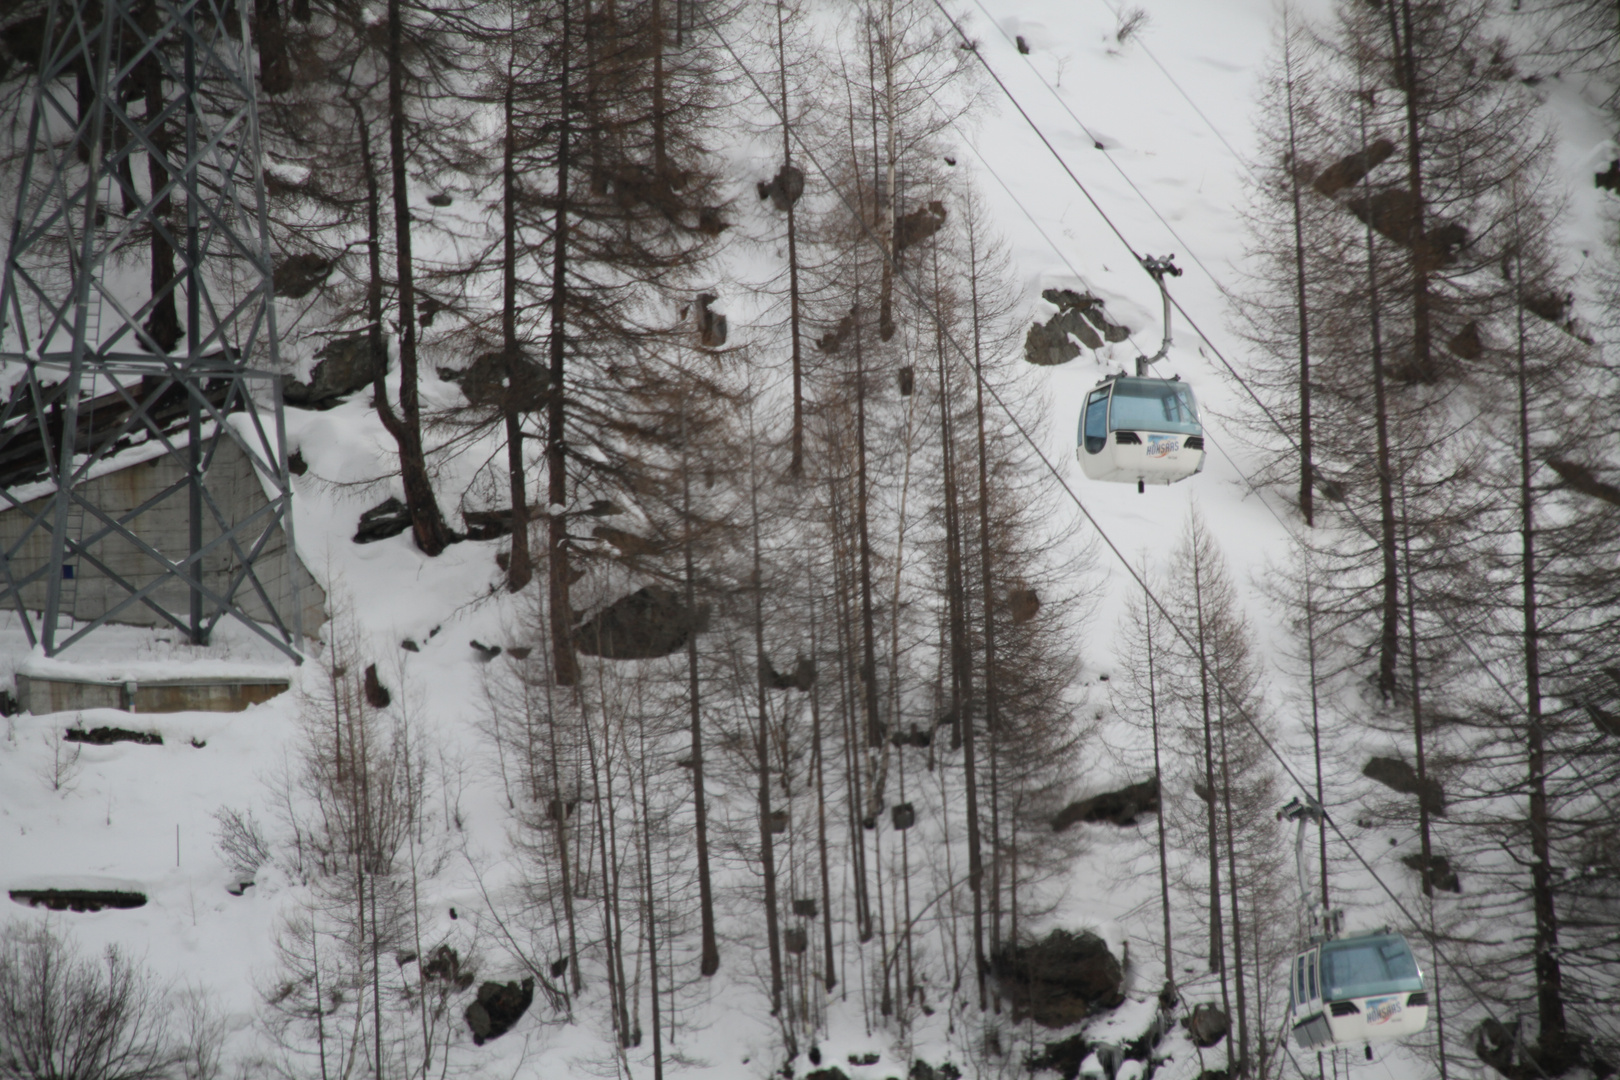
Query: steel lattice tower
x=142 y=160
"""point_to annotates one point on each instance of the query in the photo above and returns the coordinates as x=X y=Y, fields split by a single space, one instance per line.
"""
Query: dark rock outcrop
x=834 y=339
x=1023 y=604
x=388 y=518
x=1608 y=179
x=1349 y=170
x=344 y=366
x=1080 y=315
x=650 y=622
x=490 y=524
x=711 y=325
x=1207 y=1025
x=784 y=189
x=1397 y=775
x=1390 y=210
x=296 y=276
x=1064 y=1057
x=498 y=1007
x=377 y=695
x=444 y=965
x=1440 y=874
x=1120 y=807
x=78 y=899
x=919 y=225
x=802 y=677
x=1060 y=979
x=1465 y=344
x=498 y=381
x=105 y=736
x=1582 y=479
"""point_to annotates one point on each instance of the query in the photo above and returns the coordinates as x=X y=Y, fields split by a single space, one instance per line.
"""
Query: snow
x=1170 y=178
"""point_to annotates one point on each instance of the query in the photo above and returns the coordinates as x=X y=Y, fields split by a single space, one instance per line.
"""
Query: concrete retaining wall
x=48 y=695
x=166 y=527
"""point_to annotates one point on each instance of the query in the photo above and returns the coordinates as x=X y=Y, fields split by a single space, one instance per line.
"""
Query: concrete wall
x=166 y=527
x=42 y=695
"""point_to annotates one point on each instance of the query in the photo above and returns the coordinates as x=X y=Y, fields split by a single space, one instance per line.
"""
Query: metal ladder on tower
x=73 y=538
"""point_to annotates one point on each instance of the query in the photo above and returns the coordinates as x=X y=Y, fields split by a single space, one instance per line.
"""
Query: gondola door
x=1309 y=1022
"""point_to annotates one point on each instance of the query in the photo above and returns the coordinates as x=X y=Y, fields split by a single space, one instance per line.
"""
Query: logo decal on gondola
x=1382 y=1010
x=1159 y=446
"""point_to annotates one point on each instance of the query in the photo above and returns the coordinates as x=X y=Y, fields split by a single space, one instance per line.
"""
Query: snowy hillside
x=1088 y=144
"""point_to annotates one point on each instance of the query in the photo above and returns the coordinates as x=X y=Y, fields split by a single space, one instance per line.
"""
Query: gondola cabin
x=1360 y=989
x=1141 y=431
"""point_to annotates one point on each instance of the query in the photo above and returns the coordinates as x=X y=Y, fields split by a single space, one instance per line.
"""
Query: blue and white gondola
x=1365 y=988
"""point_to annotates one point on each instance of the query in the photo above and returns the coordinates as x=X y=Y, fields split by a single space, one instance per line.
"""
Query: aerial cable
x=1123 y=175
x=920 y=298
x=972 y=47
x=1147 y=265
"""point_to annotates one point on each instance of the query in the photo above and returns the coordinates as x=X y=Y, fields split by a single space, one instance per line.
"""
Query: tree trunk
x=1216 y=933
x=1423 y=364
x=710 y=960
x=1549 y=973
x=796 y=462
x=767 y=851
x=565 y=663
x=961 y=655
x=1388 y=640
x=1306 y=465
x=519 y=569
x=1232 y=889
x=427 y=523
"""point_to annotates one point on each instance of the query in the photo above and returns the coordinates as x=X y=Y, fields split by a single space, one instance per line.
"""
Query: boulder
x=344 y=366
x=834 y=339
x=1023 y=604
x=78 y=899
x=1060 y=979
x=498 y=1007
x=1115 y=807
x=1440 y=874
x=1207 y=1025
x=1465 y=344
x=1397 y=775
x=919 y=225
x=802 y=677
x=1608 y=179
x=106 y=736
x=388 y=518
x=1349 y=170
x=650 y=622
x=784 y=189
x=1390 y=210
x=711 y=325
x=296 y=276
x=497 y=381
x=377 y=695
x=491 y=524
x=1062 y=1057
x=1081 y=316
